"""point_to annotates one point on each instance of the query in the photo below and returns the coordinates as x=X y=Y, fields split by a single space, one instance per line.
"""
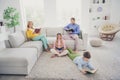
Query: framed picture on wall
x=96 y=1
x=103 y=1
x=1 y=23
x=99 y=9
x=106 y=17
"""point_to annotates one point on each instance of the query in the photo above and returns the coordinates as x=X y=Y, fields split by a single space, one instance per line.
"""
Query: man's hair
x=87 y=55
x=73 y=18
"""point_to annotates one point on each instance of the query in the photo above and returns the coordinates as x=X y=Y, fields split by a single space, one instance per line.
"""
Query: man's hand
x=70 y=32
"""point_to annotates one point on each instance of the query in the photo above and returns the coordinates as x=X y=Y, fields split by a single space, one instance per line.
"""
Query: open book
x=91 y=71
x=69 y=30
x=37 y=30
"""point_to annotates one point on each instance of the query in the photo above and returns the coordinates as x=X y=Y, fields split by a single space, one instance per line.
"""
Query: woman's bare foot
x=50 y=46
x=47 y=50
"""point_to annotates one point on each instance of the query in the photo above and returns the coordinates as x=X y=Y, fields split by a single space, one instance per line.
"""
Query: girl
x=32 y=35
x=59 y=48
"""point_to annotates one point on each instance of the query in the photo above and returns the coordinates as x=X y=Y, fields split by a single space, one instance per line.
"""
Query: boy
x=83 y=63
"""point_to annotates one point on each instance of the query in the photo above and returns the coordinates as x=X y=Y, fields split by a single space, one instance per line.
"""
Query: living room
x=21 y=59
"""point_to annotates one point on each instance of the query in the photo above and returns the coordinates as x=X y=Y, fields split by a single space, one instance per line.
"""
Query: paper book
x=91 y=71
x=37 y=30
x=70 y=30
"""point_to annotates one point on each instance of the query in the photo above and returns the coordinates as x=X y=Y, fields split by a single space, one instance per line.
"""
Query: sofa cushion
x=33 y=44
x=69 y=43
x=17 y=60
x=43 y=31
x=51 y=32
x=51 y=40
x=80 y=35
x=17 y=56
x=16 y=39
x=24 y=34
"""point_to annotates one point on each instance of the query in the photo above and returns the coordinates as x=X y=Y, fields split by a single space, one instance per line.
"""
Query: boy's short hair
x=73 y=18
x=87 y=55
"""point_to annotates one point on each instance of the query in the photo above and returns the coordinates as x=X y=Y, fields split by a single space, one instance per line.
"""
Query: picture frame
x=103 y=1
x=96 y=1
x=1 y=23
x=99 y=9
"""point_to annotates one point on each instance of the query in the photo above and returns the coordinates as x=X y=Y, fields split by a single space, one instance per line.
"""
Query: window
x=34 y=11
x=67 y=9
x=64 y=10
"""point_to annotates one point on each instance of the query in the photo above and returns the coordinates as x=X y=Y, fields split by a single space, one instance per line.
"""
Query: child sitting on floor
x=83 y=63
x=59 y=48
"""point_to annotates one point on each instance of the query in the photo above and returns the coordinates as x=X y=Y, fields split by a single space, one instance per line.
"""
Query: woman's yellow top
x=30 y=33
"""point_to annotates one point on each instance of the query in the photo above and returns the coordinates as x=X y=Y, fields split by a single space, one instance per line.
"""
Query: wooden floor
x=106 y=59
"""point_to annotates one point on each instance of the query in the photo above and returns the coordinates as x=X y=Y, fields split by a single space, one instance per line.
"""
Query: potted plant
x=11 y=17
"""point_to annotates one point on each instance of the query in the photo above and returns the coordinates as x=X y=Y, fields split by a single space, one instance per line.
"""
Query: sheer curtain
x=67 y=9
x=34 y=10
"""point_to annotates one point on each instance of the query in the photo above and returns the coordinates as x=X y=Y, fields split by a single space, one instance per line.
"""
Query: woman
x=32 y=35
x=59 y=48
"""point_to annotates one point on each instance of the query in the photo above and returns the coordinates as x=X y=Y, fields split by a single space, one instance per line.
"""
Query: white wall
x=115 y=12
x=85 y=15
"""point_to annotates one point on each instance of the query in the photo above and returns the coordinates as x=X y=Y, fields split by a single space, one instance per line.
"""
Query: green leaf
x=11 y=17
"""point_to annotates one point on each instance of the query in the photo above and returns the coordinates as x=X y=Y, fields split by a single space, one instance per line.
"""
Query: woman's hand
x=36 y=33
x=39 y=32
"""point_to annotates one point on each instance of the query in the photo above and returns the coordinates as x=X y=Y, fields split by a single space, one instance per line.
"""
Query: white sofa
x=21 y=57
x=51 y=36
x=17 y=60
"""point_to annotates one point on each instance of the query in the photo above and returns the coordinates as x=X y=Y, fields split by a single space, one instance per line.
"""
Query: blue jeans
x=43 y=39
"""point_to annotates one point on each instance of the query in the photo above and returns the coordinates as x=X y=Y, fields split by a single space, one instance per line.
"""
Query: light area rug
x=58 y=68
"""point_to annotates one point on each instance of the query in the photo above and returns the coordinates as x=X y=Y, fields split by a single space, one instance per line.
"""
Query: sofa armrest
x=85 y=40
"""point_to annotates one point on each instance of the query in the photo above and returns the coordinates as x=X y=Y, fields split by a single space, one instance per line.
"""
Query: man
x=73 y=31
